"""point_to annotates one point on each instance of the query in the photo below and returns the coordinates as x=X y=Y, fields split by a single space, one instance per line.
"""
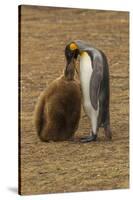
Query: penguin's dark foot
x=91 y=138
x=84 y=137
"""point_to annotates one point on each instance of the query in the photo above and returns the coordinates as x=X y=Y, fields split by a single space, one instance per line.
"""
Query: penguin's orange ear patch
x=73 y=46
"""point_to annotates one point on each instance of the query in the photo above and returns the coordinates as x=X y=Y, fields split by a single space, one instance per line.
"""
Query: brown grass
x=65 y=166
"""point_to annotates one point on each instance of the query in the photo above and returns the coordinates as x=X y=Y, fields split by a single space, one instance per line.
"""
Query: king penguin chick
x=58 y=108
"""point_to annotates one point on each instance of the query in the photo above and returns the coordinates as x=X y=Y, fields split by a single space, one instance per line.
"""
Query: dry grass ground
x=65 y=166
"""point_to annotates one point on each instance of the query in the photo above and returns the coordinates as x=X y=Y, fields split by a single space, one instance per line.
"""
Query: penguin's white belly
x=85 y=77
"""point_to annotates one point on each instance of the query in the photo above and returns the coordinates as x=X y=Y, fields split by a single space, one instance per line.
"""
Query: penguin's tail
x=39 y=114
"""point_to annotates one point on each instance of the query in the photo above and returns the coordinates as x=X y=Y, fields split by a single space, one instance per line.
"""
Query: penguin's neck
x=85 y=75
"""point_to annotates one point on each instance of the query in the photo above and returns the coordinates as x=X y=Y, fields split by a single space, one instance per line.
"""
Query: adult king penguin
x=94 y=78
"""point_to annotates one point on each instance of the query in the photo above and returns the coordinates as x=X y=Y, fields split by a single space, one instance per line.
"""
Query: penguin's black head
x=71 y=52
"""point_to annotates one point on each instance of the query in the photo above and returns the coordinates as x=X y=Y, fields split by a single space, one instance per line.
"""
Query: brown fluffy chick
x=58 y=108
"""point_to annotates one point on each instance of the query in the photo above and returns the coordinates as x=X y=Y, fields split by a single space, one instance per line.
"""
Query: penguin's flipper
x=95 y=82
